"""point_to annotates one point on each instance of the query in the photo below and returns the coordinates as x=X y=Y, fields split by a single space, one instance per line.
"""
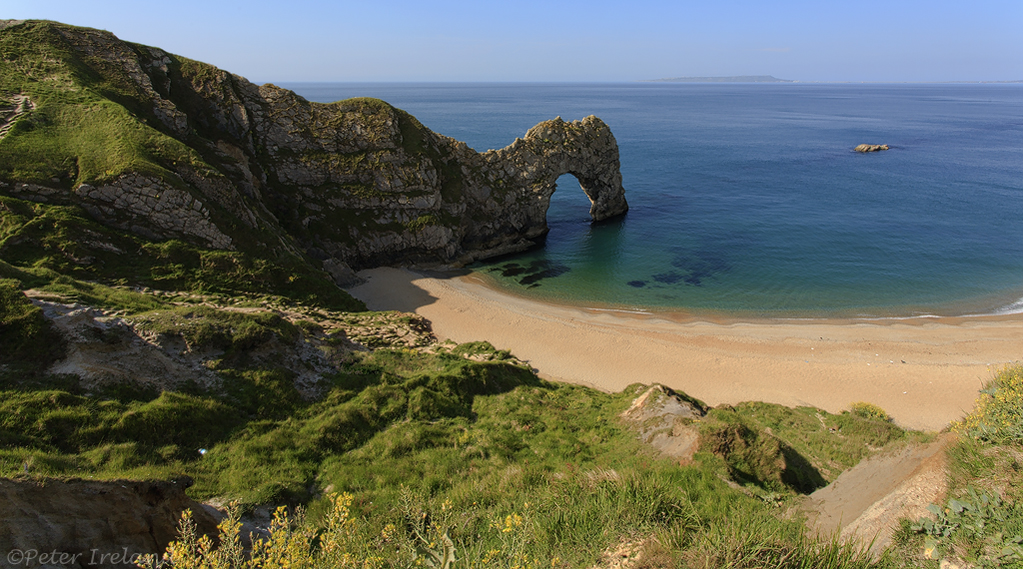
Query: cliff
x=86 y=523
x=168 y=148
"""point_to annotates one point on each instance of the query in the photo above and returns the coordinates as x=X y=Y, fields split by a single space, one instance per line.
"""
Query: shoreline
x=924 y=371
x=1011 y=305
x=685 y=316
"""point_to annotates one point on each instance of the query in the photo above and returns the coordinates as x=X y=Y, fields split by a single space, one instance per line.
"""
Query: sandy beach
x=924 y=371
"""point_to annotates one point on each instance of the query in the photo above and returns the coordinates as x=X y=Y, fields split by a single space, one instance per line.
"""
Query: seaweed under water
x=534 y=272
x=697 y=266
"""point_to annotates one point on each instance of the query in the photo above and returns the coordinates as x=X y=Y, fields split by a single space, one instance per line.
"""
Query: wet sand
x=924 y=372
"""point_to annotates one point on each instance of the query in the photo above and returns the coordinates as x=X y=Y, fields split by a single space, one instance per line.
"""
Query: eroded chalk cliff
x=199 y=154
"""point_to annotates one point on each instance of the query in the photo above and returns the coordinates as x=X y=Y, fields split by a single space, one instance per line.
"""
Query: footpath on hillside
x=867 y=501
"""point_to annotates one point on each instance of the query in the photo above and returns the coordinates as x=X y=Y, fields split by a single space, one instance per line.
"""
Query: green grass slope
x=39 y=242
x=89 y=123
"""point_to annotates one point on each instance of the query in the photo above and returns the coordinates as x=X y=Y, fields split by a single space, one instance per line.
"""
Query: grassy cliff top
x=82 y=112
x=90 y=120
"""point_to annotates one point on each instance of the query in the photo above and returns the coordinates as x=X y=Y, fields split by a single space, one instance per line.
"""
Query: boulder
x=871 y=147
x=667 y=421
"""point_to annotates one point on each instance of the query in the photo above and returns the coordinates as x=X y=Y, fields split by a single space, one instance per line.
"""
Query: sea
x=747 y=200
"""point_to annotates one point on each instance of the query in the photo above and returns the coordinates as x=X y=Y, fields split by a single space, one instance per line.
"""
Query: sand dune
x=925 y=372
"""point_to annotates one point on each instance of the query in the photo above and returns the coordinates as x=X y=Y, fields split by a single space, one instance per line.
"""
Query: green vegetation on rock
x=38 y=242
x=163 y=147
x=80 y=129
x=778 y=448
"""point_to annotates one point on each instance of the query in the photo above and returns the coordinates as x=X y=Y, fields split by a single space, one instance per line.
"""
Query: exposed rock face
x=667 y=421
x=151 y=208
x=355 y=183
x=96 y=524
x=871 y=147
x=104 y=349
x=384 y=189
x=529 y=169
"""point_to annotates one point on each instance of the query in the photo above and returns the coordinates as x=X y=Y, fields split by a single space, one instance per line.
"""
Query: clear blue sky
x=594 y=40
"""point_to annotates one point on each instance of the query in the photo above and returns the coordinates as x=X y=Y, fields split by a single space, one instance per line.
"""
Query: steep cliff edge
x=168 y=148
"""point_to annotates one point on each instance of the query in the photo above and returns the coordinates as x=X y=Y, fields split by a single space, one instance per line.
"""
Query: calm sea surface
x=746 y=199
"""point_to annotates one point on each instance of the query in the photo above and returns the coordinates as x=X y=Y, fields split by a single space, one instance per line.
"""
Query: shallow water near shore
x=747 y=199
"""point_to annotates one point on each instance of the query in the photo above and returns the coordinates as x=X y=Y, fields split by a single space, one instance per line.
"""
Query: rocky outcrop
x=363 y=183
x=527 y=172
x=667 y=421
x=102 y=349
x=871 y=147
x=151 y=208
x=353 y=184
x=86 y=523
x=151 y=353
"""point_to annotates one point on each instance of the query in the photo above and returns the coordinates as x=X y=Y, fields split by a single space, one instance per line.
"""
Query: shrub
x=25 y=335
x=998 y=414
x=869 y=411
x=345 y=541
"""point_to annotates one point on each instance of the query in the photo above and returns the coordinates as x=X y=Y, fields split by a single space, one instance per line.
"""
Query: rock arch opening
x=568 y=204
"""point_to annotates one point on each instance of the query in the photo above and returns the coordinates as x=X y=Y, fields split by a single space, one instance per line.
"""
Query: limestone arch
x=587 y=150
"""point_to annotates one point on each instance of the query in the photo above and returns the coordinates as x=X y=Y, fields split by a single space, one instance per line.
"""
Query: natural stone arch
x=510 y=189
x=585 y=149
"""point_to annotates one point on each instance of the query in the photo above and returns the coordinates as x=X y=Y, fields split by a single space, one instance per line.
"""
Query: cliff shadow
x=389 y=288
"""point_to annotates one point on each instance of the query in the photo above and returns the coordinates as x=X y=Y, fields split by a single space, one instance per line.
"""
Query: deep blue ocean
x=747 y=199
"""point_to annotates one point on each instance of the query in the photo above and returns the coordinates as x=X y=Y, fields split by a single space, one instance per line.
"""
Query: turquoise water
x=747 y=199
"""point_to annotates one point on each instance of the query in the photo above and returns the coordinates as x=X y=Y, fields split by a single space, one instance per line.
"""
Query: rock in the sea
x=871 y=147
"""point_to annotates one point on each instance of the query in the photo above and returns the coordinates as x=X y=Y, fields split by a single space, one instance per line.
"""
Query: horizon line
x=593 y=81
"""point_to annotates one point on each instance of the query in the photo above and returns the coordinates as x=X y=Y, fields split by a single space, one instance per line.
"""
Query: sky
x=552 y=40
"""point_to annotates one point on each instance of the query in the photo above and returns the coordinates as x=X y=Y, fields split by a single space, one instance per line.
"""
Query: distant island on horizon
x=729 y=79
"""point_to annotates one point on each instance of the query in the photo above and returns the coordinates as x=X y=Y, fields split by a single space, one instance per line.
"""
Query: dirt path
x=867 y=501
x=9 y=114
